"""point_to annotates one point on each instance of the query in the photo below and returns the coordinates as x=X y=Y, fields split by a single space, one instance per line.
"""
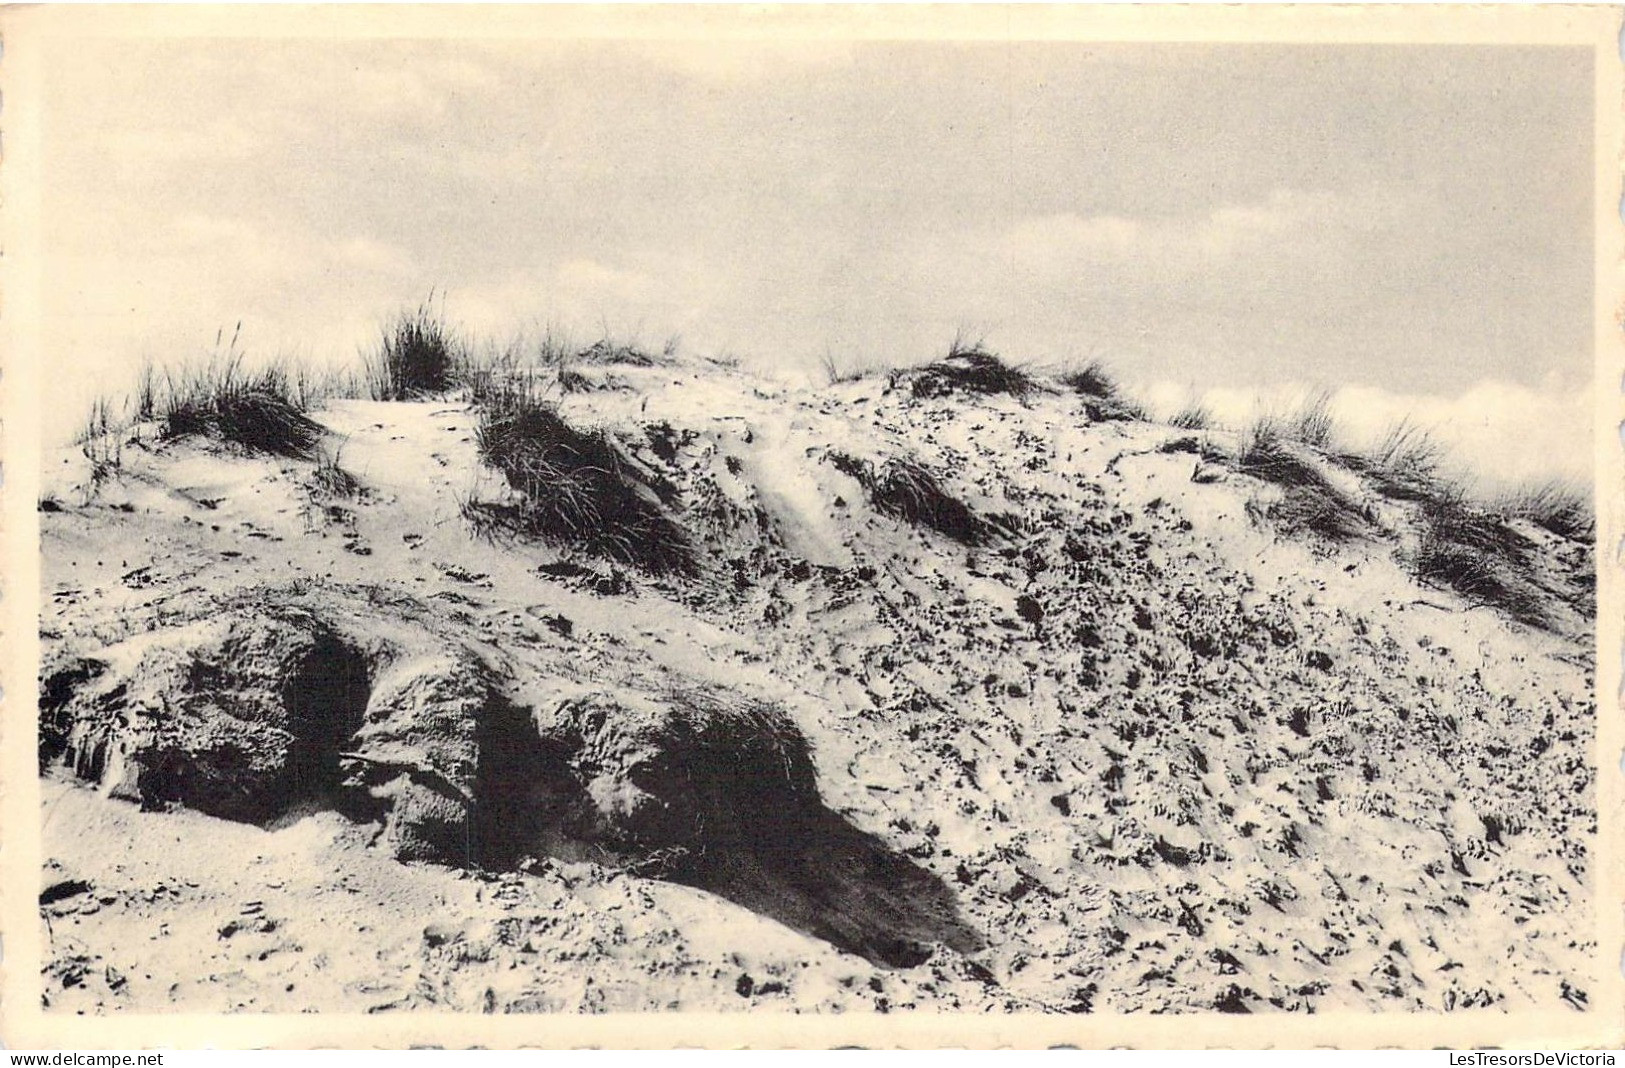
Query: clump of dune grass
x=521 y=363
x=1090 y=380
x=1464 y=544
x=570 y=486
x=1558 y=505
x=906 y=489
x=1193 y=416
x=1480 y=580
x=1475 y=552
x=1309 y=501
x=558 y=357
x=263 y=409
x=835 y=372
x=1312 y=422
x=1409 y=448
x=1404 y=464
x=101 y=440
x=1102 y=397
x=1290 y=450
x=968 y=368
x=608 y=351
x=1453 y=516
x=418 y=355
x=330 y=476
x=221 y=397
x=145 y=398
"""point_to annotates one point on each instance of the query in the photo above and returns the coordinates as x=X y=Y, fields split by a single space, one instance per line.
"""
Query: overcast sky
x=1409 y=219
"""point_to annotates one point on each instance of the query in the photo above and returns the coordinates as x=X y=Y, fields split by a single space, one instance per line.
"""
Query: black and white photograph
x=892 y=526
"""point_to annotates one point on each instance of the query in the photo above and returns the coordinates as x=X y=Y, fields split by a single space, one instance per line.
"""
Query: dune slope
x=968 y=701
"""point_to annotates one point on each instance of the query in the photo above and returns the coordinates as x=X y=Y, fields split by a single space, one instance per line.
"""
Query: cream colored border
x=24 y=1026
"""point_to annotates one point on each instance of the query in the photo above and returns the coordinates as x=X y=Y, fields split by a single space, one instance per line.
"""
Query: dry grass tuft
x=1405 y=463
x=417 y=356
x=1312 y=423
x=1309 y=501
x=1193 y=416
x=1466 y=546
x=906 y=489
x=967 y=369
x=1102 y=398
x=1558 y=505
x=263 y=410
x=102 y=442
x=605 y=351
x=1474 y=552
x=835 y=372
x=573 y=487
x=331 y=478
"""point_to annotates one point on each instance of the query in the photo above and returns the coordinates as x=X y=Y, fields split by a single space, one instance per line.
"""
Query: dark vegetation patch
x=1467 y=547
x=1309 y=500
x=571 y=486
x=553 y=357
x=1193 y=416
x=1090 y=380
x=1102 y=398
x=606 y=351
x=967 y=370
x=418 y=355
x=1477 y=554
x=906 y=489
x=1404 y=464
x=330 y=479
x=263 y=410
x=1556 y=505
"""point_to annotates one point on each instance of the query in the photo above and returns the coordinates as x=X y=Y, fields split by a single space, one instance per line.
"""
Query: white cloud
x=1271 y=231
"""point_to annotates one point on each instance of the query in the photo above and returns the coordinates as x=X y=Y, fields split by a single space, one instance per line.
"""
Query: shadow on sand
x=817 y=873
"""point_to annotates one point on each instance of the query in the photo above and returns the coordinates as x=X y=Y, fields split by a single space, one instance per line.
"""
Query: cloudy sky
x=1410 y=224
